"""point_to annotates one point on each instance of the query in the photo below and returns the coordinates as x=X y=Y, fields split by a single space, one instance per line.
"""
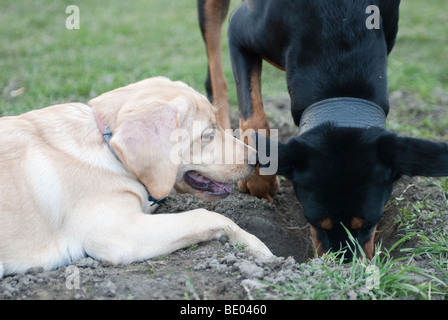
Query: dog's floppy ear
x=142 y=142
x=417 y=157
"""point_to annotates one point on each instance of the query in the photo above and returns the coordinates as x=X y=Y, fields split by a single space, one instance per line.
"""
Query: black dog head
x=343 y=177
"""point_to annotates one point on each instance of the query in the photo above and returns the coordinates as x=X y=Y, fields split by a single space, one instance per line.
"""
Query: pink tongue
x=222 y=186
x=218 y=187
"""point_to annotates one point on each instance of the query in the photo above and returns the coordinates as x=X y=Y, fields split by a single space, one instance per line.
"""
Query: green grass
x=418 y=62
x=382 y=278
x=426 y=221
x=120 y=42
x=418 y=67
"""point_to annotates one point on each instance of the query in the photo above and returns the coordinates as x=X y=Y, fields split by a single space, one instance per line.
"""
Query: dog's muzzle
x=343 y=112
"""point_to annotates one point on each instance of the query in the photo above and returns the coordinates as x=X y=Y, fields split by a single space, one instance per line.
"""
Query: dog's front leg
x=141 y=236
x=247 y=71
x=212 y=14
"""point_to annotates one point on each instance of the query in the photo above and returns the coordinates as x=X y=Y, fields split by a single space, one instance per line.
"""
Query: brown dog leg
x=211 y=17
x=262 y=186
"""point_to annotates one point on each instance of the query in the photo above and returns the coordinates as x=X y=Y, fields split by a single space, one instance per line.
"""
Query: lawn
x=120 y=42
x=419 y=61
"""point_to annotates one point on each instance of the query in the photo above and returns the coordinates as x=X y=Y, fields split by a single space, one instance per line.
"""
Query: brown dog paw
x=260 y=186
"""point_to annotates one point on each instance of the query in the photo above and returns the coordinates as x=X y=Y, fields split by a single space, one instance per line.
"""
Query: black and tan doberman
x=344 y=162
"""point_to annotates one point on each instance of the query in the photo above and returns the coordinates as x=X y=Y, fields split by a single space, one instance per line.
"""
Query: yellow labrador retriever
x=79 y=180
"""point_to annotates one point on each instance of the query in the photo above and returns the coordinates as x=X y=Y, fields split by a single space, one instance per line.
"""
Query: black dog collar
x=344 y=112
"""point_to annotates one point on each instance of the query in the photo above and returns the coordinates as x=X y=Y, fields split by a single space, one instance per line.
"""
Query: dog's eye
x=208 y=135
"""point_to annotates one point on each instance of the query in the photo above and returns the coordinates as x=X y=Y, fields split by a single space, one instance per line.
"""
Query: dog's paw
x=252 y=244
x=258 y=249
x=260 y=186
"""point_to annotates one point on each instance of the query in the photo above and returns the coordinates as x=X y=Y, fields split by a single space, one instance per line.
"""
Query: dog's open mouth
x=199 y=182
